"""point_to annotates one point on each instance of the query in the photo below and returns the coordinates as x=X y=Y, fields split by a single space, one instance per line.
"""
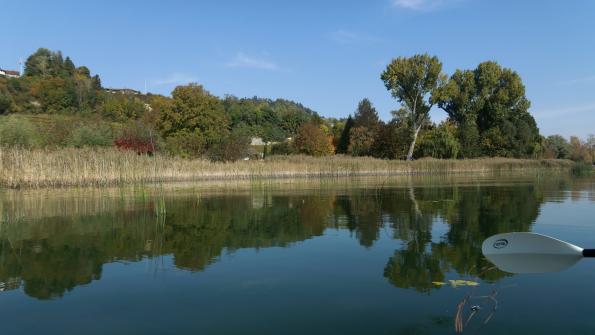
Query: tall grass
x=101 y=167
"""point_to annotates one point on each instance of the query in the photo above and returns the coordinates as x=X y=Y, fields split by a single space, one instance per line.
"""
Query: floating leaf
x=438 y=283
x=460 y=282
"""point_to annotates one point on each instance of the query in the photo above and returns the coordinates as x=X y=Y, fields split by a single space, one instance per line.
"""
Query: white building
x=9 y=73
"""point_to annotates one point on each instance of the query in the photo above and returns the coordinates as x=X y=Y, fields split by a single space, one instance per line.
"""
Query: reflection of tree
x=52 y=254
x=473 y=214
x=362 y=215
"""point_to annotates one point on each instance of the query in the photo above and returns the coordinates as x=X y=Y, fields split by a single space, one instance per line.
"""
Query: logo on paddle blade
x=501 y=243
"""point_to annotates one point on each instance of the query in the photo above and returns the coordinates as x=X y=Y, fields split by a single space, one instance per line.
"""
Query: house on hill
x=125 y=91
x=9 y=73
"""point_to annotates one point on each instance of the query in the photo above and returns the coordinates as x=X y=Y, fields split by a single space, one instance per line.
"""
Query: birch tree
x=412 y=81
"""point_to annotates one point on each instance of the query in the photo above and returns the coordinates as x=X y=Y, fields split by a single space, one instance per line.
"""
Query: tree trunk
x=412 y=146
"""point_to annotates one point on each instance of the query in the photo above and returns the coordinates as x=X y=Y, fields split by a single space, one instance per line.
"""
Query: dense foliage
x=489 y=106
x=56 y=103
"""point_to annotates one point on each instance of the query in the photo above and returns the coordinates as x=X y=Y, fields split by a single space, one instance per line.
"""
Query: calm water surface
x=346 y=258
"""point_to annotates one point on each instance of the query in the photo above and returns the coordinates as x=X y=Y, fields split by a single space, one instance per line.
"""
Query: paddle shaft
x=588 y=252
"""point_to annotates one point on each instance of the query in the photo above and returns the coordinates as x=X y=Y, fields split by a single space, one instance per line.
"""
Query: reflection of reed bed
x=16 y=205
x=100 y=167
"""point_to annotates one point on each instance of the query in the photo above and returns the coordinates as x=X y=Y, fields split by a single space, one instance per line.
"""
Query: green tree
x=343 y=145
x=439 y=142
x=457 y=99
x=413 y=81
x=232 y=148
x=186 y=143
x=69 y=66
x=193 y=108
x=389 y=142
x=489 y=106
x=45 y=63
x=5 y=102
x=366 y=115
x=557 y=146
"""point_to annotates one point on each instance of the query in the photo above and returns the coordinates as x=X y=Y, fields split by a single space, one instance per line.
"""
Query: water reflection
x=52 y=244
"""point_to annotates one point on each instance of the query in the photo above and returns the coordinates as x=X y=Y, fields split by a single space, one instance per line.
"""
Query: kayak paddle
x=532 y=253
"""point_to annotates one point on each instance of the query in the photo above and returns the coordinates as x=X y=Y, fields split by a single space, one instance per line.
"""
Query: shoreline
x=70 y=167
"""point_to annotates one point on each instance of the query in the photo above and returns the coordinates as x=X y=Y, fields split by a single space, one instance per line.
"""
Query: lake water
x=345 y=257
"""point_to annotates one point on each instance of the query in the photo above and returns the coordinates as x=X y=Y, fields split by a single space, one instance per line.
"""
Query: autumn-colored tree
x=579 y=150
x=556 y=146
x=311 y=140
x=360 y=141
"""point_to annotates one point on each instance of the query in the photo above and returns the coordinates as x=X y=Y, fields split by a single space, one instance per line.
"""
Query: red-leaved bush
x=138 y=138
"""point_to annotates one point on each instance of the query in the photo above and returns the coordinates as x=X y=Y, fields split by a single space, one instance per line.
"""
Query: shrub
x=230 y=149
x=439 y=142
x=16 y=131
x=87 y=136
x=283 y=148
x=5 y=103
x=137 y=137
x=185 y=143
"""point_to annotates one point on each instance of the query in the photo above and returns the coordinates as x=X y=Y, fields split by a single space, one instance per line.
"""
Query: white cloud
x=575 y=81
x=244 y=61
x=351 y=37
x=421 y=5
x=175 y=79
x=566 y=111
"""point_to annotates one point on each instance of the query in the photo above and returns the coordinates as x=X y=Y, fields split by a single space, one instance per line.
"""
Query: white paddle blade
x=530 y=253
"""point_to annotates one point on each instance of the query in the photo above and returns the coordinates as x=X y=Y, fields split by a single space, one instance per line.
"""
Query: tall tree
x=458 y=99
x=311 y=140
x=44 y=62
x=412 y=81
x=344 y=139
x=366 y=115
x=489 y=106
x=557 y=146
x=194 y=109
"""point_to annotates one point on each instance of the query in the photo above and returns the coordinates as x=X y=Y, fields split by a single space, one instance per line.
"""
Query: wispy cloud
x=242 y=60
x=174 y=79
x=582 y=80
x=352 y=37
x=566 y=111
x=422 y=5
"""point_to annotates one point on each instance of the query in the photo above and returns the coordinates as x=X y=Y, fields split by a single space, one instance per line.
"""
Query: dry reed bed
x=101 y=167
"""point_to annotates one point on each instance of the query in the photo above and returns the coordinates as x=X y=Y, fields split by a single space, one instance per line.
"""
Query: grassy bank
x=35 y=168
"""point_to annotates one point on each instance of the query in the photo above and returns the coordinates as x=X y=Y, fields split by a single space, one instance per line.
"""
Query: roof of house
x=11 y=72
x=122 y=90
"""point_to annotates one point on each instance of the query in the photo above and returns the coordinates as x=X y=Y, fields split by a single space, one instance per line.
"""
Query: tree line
x=488 y=115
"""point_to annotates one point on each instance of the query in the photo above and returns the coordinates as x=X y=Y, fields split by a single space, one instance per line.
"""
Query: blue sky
x=325 y=54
